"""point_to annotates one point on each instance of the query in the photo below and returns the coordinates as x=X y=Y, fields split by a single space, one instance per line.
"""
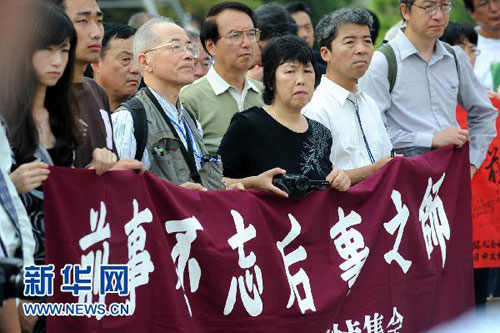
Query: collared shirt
x=331 y=107
x=219 y=86
x=11 y=234
x=487 y=66
x=123 y=131
x=425 y=95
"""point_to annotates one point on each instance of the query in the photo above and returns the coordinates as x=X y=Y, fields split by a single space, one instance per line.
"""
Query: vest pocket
x=168 y=162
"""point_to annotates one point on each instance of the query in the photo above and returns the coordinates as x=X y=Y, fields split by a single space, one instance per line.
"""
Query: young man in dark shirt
x=91 y=98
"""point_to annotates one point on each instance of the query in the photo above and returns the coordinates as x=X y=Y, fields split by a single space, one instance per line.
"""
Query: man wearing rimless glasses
x=153 y=126
x=418 y=106
x=229 y=35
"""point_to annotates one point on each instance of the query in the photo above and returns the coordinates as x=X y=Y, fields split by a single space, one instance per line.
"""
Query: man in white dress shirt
x=361 y=145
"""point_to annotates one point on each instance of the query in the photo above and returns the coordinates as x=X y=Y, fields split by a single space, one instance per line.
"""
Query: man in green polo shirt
x=228 y=34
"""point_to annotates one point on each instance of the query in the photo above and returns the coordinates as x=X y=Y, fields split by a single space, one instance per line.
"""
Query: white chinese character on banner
x=397 y=222
x=350 y=245
x=139 y=260
x=396 y=322
x=352 y=327
x=186 y=234
x=100 y=231
x=432 y=210
x=253 y=305
x=301 y=277
x=374 y=325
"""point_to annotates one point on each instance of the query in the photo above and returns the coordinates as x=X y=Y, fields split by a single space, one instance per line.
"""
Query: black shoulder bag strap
x=188 y=155
x=140 y=125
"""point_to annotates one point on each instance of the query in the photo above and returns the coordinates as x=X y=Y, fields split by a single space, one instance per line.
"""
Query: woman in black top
x=277 y=135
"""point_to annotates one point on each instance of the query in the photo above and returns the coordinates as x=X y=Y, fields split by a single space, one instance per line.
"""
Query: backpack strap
x=392 y=63
x=138 y=113
x=452 y=51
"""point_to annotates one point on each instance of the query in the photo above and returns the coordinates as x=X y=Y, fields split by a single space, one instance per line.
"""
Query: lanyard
x=186 y=133
x=188 y=155
x=356 y=107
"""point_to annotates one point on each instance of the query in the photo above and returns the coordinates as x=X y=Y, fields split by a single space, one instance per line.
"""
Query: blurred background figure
x=393 y=31
x=374 y=30
x=194 y=23
x=273 y=20
x=463 y=35
x=204 y=62
x=486 y=13
x=302 y=15
x=116 y=71
x=138 y=19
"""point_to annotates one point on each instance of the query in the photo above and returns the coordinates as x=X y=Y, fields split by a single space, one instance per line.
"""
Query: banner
x=393 y=254
x=486 y=201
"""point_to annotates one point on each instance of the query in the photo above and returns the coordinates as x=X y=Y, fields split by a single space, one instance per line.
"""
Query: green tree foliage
x=386 y=10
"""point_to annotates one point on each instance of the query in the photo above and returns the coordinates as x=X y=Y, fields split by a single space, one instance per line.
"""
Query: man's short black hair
x=469 y=4
x=115 y=30
x=61 y=2
x=209 y=28
x=408 y=4
x=278 y=51
x=457 y=33
x=273 y=20
x=298 y=6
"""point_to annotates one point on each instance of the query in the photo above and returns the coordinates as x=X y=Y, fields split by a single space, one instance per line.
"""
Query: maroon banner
x=393 y=254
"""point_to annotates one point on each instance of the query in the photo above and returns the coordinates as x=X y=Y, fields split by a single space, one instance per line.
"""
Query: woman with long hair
x=42 y=122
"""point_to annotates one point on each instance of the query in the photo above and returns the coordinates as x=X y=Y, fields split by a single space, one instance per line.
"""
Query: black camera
x=11 y=279
x=296 y=185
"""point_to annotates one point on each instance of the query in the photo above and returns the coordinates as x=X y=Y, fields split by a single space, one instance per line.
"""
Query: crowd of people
x=246 y=97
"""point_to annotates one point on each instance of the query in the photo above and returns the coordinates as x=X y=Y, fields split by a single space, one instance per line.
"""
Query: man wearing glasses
x=154 y=126
x=228 y=34
x=486 y=13
x=419 y=109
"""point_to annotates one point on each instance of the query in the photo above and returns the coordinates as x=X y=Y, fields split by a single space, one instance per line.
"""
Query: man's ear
x=326 y=54
x=210 y=45
x=143 y=61
x=405 y=13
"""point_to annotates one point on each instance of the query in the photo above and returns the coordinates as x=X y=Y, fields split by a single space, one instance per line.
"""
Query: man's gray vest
x=163 y=147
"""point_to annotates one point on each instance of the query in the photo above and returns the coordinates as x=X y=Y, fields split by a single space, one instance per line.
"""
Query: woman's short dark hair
x=209 y=28
x=49 y=26
x=457 y=33
x=278 y=51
